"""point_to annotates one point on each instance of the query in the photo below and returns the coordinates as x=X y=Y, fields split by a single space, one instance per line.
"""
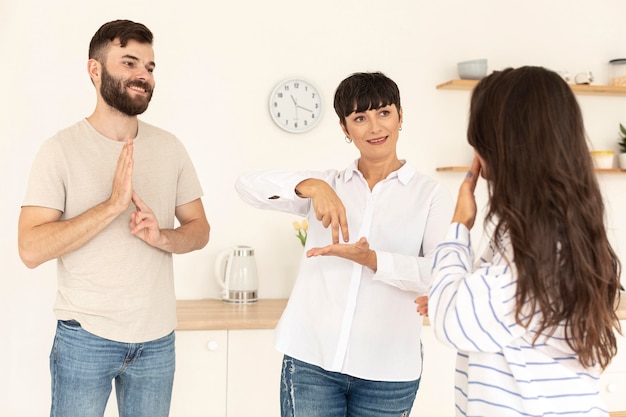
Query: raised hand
x=122 y=189
x=465 y=211
x=328 y=207
x=358 y=252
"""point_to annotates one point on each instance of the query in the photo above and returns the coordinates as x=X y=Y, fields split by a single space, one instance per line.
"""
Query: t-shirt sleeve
x=189 y=187
x=47 y=178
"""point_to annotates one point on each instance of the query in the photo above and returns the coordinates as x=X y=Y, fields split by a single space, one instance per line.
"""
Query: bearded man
x=102 y=199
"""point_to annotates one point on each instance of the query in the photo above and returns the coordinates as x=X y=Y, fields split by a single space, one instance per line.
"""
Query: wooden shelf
x=459 y=168
x=453 y=169
x=610 y=171
x=598 y=90
x=458 y=85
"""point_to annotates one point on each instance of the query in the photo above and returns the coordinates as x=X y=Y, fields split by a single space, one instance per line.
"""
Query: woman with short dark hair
x=349 y=333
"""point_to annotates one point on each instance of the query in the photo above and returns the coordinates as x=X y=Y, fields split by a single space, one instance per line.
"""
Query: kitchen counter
x=219 y=315
x=264 y=314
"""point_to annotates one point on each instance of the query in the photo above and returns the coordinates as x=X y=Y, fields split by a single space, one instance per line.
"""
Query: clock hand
x=294 y=100
x=304 y=108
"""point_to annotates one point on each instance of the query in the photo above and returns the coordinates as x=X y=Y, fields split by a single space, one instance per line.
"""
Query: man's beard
x=113 y=91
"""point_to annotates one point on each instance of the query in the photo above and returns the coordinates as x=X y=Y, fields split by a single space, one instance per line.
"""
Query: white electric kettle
x=235 y=269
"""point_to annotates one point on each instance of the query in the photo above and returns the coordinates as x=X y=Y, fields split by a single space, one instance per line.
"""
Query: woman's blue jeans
x=310 y=391
x=83 y=366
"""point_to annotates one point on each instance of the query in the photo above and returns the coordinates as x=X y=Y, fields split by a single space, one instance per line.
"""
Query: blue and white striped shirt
x=499 y=372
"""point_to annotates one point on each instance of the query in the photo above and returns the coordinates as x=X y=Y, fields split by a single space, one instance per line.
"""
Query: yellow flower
x=301 y=228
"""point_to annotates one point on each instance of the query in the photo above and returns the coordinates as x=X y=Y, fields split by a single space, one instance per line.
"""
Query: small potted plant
x=622 y=146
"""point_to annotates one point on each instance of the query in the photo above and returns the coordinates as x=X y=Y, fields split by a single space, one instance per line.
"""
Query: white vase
x=621 y=157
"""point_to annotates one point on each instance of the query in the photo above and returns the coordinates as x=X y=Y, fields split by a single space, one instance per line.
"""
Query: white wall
x=217 y=63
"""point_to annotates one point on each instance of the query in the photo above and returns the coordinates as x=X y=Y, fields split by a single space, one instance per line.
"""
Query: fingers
x=324 y=218
x=336 y=228
x=143 y=210
x=335 y=232
x=422 y=305
x=334 y=215
x=465 y=210
x=339 y=224
x=329 y=209
x=143 y=224
x=125 y=161
x=138 y=202
x=121 y=189
x=343 y=225
x=472 y=175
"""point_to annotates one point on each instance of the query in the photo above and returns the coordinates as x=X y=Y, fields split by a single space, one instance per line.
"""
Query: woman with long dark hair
x=534 y=322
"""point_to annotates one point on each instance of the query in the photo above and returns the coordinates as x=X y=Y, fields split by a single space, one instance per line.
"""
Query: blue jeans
x=310 y=391
x=83 y=366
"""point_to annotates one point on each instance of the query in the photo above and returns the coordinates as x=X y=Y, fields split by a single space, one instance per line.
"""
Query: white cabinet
x=226 y=373
x=201 y=373
x=254 y=368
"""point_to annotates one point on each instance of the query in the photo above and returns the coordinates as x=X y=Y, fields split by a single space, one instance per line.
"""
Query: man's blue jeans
x=83 y=366
x=310 y=391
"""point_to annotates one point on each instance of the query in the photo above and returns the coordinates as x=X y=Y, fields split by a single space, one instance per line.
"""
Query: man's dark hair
x=124 y=30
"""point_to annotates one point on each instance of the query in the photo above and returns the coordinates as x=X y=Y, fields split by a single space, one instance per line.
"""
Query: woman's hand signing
x=358 y=252
x=465 y=211
x=328 y=207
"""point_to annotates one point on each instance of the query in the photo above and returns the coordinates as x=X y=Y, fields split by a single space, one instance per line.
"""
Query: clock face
x=295 y=105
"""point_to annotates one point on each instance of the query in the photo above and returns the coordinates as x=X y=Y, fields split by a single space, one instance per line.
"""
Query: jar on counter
x=618 y=72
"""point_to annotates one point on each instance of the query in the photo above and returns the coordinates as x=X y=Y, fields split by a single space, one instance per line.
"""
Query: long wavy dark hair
x=527 y=126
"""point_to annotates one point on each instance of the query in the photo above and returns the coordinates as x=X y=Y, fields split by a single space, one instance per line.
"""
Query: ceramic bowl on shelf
x=474 y=69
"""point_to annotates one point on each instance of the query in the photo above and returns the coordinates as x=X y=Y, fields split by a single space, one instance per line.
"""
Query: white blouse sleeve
x=273 y=189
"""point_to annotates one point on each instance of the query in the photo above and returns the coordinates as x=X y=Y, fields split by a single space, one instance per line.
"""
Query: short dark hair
x=124 y=30
x=363 y=91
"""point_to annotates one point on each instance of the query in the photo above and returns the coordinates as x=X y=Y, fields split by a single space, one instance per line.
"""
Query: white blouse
x=343 y=316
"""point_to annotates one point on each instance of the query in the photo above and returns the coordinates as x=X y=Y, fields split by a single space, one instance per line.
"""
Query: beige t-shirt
x=117 y=286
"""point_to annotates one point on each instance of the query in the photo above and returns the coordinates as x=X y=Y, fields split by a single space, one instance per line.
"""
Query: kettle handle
x=221 y=270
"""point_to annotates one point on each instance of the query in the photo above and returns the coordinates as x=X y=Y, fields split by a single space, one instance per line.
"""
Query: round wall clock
x=295 y=105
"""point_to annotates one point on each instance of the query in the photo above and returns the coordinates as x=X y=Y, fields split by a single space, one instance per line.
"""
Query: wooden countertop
x=264 y=314
x=219 y=315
